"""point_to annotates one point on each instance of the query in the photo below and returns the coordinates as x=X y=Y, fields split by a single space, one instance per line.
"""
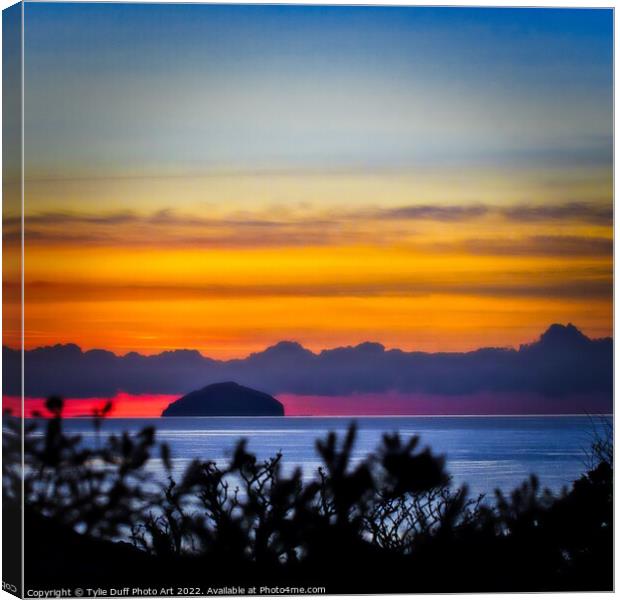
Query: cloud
x=538 y=245
x=429 y=212
x=562 y=363
x=376 y=226
x=571 y=211
x=579 y=284
x=165 y=217
x=168 y=228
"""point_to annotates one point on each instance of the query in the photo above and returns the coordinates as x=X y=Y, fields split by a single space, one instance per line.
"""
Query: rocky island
x=227 y=399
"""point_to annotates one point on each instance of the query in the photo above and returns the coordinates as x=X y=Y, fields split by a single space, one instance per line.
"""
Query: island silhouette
x=226 y=399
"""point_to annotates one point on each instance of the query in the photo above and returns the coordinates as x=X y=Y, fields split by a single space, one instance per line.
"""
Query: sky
x=225 y=177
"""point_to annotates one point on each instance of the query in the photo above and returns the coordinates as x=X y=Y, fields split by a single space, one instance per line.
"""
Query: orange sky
x=346 y=268
x=226 y=177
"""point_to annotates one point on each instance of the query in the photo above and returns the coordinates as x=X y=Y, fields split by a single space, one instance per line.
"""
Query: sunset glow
x=459 y=204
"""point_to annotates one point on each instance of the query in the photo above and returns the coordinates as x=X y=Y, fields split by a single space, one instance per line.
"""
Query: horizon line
x=399 y=416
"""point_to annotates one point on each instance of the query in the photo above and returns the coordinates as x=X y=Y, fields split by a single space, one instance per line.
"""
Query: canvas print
x=305 y=300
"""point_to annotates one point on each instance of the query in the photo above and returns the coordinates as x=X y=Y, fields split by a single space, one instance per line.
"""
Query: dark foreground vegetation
x=95 y=517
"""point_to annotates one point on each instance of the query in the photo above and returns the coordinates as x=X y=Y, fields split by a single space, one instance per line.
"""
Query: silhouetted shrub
x=392 y=522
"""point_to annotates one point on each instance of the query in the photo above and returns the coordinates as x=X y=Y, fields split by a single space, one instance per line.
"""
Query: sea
x=484 y=452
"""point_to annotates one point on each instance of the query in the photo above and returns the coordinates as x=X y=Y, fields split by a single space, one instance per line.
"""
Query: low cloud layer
x=562 y=363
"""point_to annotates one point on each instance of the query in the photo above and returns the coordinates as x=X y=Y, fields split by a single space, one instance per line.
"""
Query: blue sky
x=117 y=88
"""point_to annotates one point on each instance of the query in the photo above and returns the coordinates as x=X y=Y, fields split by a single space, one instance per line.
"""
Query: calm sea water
x=484 y=452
